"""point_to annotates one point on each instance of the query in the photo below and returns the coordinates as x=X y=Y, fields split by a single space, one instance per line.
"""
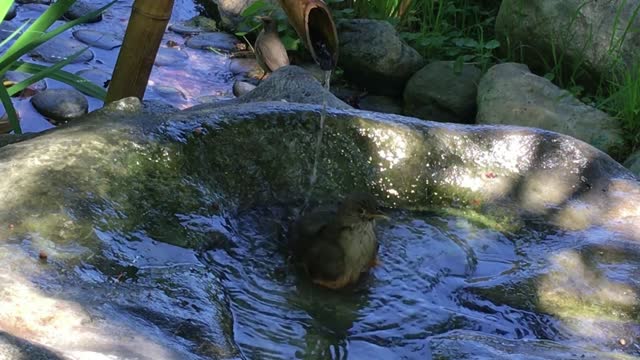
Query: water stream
x=318 y=146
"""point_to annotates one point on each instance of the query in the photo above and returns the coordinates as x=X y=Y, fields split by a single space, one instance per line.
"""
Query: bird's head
x=267 y=22
x=359 y=207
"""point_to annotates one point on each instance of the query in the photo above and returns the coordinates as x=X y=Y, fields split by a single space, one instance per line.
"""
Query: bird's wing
x=307 y=228
x=325 y=261
x=271 y=51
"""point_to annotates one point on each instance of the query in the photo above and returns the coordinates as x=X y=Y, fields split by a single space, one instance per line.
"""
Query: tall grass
x=35 y=35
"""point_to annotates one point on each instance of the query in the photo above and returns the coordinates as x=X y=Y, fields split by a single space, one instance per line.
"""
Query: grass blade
x=15 y=33
x=11 y=111
x=4 y=8
x=32 y=41
x=14 y=89
x=79 y=83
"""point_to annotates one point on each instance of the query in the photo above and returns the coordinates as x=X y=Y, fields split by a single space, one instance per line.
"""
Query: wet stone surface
x=60 y=105
x=171 y=57
x=98 y=39
x=215 y=40
x=60 y=48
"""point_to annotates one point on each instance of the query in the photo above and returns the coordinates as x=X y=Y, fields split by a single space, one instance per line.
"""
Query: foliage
x=35 y=35
x=251 y=23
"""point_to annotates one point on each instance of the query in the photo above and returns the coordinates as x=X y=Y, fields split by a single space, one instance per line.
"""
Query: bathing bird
x=335 y=246
x=270 y=52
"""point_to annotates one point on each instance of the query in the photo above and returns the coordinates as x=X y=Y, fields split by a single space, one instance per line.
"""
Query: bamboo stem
x=148 y=21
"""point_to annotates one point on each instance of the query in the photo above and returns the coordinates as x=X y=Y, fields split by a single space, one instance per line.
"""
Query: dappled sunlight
x=587 y=302
x=28 y=313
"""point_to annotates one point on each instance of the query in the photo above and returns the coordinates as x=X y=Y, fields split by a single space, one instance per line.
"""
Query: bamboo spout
x=314 y=24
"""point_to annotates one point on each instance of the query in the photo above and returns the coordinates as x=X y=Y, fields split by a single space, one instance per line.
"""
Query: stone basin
x=159 y=235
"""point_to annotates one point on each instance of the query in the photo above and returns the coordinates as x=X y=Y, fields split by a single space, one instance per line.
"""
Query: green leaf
x=76 y=81
x=492 y=44
x=11 y=111
x=458 y=65
x=4 y=8
x=254 y=8
x=290 y=43
x=34 y=37
x=15 y=33
x=14 y=89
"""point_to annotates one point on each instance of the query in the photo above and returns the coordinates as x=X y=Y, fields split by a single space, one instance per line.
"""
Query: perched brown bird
x=270 y=52
x=336 y=246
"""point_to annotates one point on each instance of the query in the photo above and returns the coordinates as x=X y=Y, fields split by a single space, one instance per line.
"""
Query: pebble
x=17 y=76
x=98 y=39
x=216 y=40
x=81 y=8
x=242 y=87
x=96 y=76
x=170 y=56
x=11 y=13
x=60 y=105
x=58 y=49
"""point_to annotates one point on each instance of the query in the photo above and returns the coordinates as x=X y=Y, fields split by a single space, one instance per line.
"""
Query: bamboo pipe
x=148 y=21
x=314 y=24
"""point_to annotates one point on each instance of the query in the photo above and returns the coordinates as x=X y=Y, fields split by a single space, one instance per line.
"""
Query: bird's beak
x=379 y=215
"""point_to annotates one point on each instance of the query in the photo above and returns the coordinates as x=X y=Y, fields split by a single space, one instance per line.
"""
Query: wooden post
x=148 y=21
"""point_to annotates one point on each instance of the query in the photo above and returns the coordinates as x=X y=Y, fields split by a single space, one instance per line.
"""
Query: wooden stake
x=147 y=24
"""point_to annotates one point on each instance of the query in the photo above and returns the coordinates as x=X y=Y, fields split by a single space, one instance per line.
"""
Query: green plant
x=250 y=23
x=624 y=103
x=35 y=35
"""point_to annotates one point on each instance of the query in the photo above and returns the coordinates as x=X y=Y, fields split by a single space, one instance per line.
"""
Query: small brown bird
x=336 y=246
x=270 y=52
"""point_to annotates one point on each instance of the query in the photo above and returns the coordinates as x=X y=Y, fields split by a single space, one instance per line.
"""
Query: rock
x=184 y=29
x=382 y=104
x=170 y=56
x=230 y=12
x=242 y=87
x=60 y=105
x=11 y=13
x=101 y=40
x=215 y=40
x=58 y=49
x=510 y=94
x=16 y=76
x=437 y=93
x=248 y=67
x=373 y=56
x=96 y=76
x=15 y=348
x=589 y=33
x=34 y=1
x=6 y=29
x=81 y=8
x=290 y=84
x=127 y=203
x=633 y=163
x=194 y=26
x=171 y=94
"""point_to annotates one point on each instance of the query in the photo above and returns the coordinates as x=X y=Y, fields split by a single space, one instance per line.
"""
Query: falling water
x=314 y=172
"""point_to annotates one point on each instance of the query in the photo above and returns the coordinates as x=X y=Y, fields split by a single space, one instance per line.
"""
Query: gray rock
x=6 y=29
x=437 y=93
x=171 y=94
x=11 y=13
x=81 y=8
x=230 y=12
x=215 y=40
x=125 y=202
x=60 y=105
x=170 y=56
x=633 y=163
x=373 y=56
x=248 y=67
x=99 y=39
x=574 y=30
x=58 y=49
x=184 y=29
x=383 y=104
x=17 y=76
x=289 y=84
x=510 y=94
x=242 y=87
x=97 y=76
